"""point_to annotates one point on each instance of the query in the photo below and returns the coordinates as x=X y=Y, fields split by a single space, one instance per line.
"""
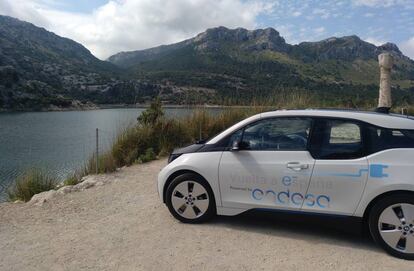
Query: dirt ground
x=122 y=225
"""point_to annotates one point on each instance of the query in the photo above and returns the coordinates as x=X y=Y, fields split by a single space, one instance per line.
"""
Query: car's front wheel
x=190 y=199
x=391 y=223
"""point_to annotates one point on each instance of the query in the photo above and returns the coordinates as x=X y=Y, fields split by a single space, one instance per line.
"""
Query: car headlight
x=173 y=156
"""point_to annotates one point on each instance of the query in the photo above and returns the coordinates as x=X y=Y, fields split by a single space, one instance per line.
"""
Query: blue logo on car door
x=377 y=171
x=374 y=170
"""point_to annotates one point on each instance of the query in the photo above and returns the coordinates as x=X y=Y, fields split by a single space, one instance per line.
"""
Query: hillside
x=41 y=70
x=238 y=65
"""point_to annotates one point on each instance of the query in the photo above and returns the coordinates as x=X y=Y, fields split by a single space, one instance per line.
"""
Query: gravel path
x=123 y=226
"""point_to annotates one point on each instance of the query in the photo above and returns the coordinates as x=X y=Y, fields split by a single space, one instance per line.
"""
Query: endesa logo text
x=286 y=197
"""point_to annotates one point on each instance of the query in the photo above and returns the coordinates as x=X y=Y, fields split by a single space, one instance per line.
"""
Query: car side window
x=289 y=134
x=338 y=139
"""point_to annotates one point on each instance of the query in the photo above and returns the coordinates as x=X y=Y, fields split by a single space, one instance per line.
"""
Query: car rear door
x=341 y=167
x=274 y=171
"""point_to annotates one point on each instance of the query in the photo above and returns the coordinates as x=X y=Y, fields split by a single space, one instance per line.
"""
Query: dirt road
x=122 y=225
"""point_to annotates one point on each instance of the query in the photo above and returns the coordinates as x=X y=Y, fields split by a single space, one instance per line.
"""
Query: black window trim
x=223 y=144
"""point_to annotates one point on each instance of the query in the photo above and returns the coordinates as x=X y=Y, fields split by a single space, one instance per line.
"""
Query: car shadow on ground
x=337 y=230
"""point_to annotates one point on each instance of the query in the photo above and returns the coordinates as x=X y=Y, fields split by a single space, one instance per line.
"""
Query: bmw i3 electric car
x=344 y=163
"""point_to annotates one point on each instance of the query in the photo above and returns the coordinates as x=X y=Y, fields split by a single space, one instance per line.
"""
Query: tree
x=153 y=114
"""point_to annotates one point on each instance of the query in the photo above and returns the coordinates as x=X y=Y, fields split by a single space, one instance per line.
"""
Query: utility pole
x=385 y=61
x=97 y=151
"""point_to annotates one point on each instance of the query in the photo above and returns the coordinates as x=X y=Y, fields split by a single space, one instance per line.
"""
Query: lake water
x=58 y=141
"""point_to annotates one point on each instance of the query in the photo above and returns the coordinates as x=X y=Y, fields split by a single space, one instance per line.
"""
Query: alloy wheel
x=190 y=199
x=396 y=227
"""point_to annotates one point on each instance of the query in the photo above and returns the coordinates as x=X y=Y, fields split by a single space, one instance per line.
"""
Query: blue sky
x=106 y=27
x=85 y=6
x=313 y=20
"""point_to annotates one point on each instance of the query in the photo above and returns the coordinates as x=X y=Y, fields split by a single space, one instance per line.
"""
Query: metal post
x=199 y=136
x=97 y=151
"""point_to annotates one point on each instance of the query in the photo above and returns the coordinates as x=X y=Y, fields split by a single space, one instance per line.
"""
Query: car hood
x=188 y=149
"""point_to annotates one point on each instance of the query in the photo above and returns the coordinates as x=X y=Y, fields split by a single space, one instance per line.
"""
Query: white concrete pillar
x=385 y=62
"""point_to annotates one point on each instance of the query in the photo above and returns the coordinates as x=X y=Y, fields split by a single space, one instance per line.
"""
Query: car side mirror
x=240 y=145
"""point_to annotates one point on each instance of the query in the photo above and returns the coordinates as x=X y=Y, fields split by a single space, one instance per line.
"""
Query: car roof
x=390 y=121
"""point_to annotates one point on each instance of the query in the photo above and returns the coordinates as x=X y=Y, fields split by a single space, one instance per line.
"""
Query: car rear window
x=383 y=139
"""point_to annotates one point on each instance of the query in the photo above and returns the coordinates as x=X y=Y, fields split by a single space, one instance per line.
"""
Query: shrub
x=133 y=143
x=106 y=163
x=30 y=183
x=172 y=134
x=147 y=140
x=76 y=177
x=152 y=114
x=148 y=156
x=72 y=180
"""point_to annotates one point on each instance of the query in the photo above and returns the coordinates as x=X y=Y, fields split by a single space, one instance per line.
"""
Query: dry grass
x=143 y=143
x=30 y=183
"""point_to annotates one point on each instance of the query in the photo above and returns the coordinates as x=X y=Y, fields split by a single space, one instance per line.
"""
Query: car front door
x=271 y=168
x=341 y=168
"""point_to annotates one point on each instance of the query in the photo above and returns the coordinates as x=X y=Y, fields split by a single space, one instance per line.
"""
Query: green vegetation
x=32 y=182
x=106 y=164
x=72 y=180
x=156 y=135
x=149 y=155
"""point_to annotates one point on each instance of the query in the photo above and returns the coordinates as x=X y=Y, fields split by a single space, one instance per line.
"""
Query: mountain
x=41 y=70
x=24 y=44
x=214 y=39
x=237 y=65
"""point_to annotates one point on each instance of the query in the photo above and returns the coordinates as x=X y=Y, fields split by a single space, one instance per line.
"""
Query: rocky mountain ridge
x=342 y=48
x=239 y=65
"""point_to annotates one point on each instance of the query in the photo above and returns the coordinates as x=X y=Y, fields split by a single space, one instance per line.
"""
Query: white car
x=346 y=163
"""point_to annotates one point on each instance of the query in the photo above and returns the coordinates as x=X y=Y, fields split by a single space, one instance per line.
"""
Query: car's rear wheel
x=190 y=199
x=391 y=223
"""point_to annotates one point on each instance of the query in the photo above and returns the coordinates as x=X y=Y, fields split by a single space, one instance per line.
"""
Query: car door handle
x=296 y=166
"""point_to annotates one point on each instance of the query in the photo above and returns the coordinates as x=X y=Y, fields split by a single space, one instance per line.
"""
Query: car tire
x=190 y=199
x=391 y=224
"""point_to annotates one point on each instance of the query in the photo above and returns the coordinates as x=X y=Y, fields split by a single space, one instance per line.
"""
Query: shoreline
x=121 y=106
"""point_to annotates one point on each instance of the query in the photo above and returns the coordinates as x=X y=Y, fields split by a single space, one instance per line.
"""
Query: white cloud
x=322 y=13
x=407 y=47
x=382 y=3
x=319 y=30
x=24 y=10
x=137 y=24
x=296 y=14
x=375 y=41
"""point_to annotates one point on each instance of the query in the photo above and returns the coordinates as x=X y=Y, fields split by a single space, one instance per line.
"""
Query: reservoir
x=59 y=142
